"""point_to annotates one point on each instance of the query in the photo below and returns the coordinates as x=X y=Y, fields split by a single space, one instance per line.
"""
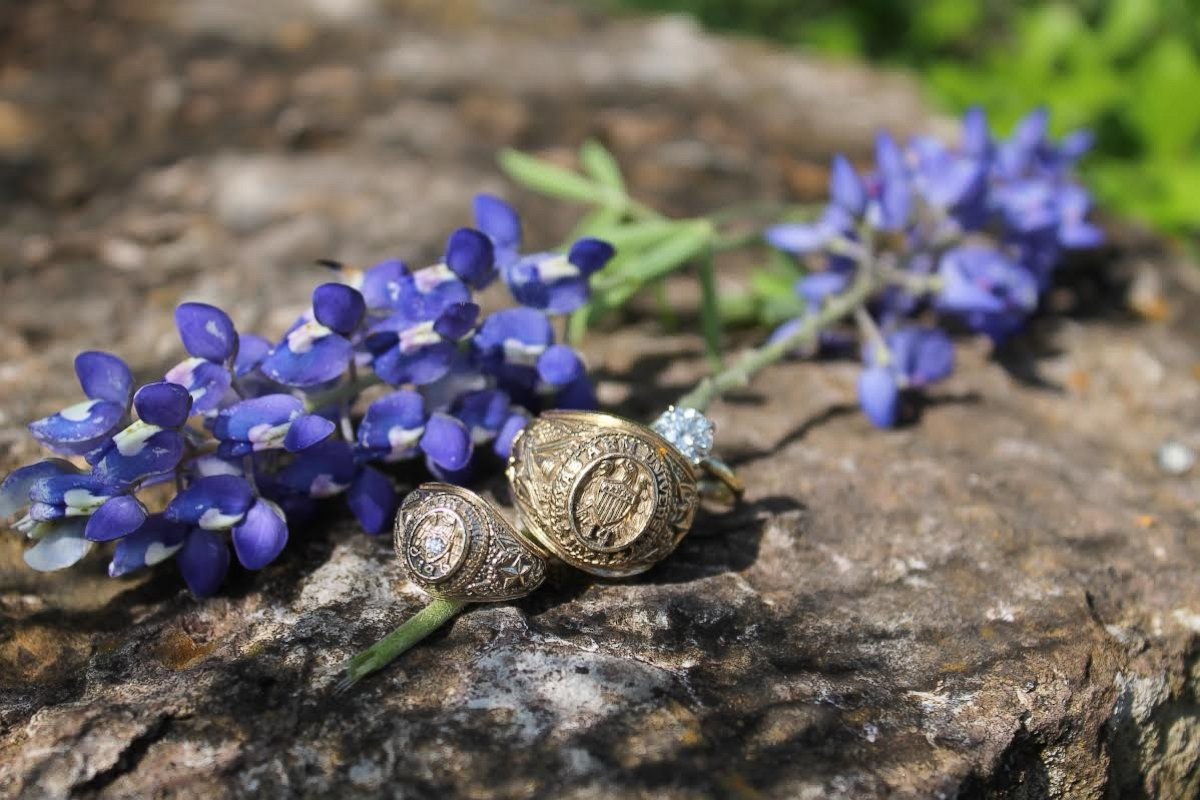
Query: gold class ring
x=454 y=545
x=609 y=496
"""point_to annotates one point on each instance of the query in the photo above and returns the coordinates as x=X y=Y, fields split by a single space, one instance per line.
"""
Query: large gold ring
x=607 y=495
x=454 y=545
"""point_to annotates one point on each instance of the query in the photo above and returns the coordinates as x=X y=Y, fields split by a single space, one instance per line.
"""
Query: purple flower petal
x=578 y=395
x=68 y=494
x=62 y=547
x=471 y=256
x=456 y=321
x=14 y=491
x=514 y=335
x=304 y=361
x=324 y=470
x=798 y=238
x=215 y=503
x=118 y=517
x=207 y=382
x=338 y=307
x=260 y=423
x=501 y=223
x=564 y=295
x=80 y=428
x=156 y=541
x=879 y=396
x=560 y=365
x=103 y=376
x=373 y=500
x=846 y=187
x=591 y=255
x=164 y=404
x=483 y=412
x=976 y=139
x=1080 y=235
x=204 y=561
x=459 y=477
x=383 y=284
x=431 y=291
x=252 y=349
x=1076 y=145
x=137 y=453
x=447 y=441
x=889 y=158
x=392 y=426
x=207 y=331
x=419 y=367
x=922 y=355
x=512 y=426
x=306 y=431
x=261 y=536
x=816 y=287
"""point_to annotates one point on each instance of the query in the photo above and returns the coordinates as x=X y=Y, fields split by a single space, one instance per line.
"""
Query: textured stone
x=1002 y=601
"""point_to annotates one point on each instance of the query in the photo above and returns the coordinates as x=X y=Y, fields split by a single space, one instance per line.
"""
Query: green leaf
x=595 y=222
x=552 y=180
x=1047 y=33
x=1126 y=23
x=600 y=164
x=631 y=237
x=1162 y=106
x=775 y=291
x=738 y=309
x=710 y=313
x=657 y=261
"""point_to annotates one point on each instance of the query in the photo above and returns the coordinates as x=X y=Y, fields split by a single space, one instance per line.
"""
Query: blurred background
x=1127 y=69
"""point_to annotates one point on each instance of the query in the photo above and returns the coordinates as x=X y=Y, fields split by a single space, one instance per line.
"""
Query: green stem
x=753 y=362
x=387 y=649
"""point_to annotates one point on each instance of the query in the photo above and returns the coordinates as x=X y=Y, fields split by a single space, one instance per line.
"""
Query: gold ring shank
x=719 y=483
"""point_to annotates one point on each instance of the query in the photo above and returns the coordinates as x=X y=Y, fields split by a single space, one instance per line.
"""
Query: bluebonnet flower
x=209 y=335
x=914 y=358
x=557 y=283
x=67 y=509
x=317 y=350
x=81 y=428
x=270 y=422
x=327 y=470
x=392 y=427
x=420 y=350
x=516 y=348
x=990 y=292
x=978 y=229
x=155 y=541
x=278 y=431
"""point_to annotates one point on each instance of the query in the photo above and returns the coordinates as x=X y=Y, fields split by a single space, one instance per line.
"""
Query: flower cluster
x=972 y=232
x=388 y=364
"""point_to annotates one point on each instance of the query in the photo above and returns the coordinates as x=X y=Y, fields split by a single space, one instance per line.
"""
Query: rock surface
x=1002 y=601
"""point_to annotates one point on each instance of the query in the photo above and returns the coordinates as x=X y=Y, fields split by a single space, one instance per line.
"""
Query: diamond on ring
x=688 y=430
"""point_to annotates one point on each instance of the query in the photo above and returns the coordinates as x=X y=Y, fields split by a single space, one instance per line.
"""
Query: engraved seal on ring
x=612 y=502
x=438 y=544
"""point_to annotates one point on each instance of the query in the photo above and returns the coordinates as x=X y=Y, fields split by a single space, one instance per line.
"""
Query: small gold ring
x=454 y=545
x=719 y=483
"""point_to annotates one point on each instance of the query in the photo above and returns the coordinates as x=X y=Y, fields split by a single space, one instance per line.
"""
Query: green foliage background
x=1127 y=69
